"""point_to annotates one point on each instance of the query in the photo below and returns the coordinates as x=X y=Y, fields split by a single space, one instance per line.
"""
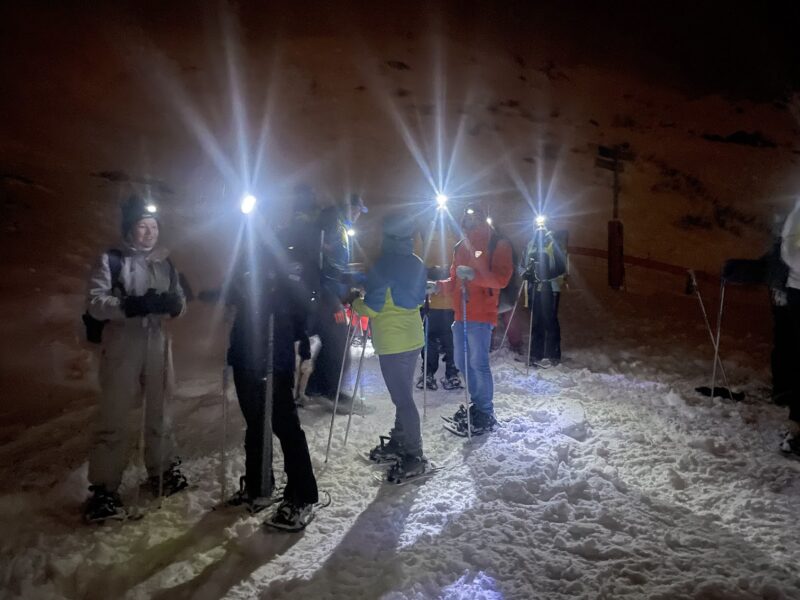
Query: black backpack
x=509 y=294
x=94 y=327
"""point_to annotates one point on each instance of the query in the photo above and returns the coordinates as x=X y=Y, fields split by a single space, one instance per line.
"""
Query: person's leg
x=458 y=354
x=555 y=329
x=782 y=354
x=250 y=388
x=545 y=318
x=398 y=373
x=159 y=443
x=301 y=485
x=537 y=328
x=447 y=344
x=121 y=367
x=479 y=337
x=332 y=331
x=793 y=399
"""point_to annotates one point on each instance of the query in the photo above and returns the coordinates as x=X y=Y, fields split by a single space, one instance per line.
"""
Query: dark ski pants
x=545 y=329
x=301 y=486
x=332 y=331
x=440 y=342
x=793 y=354
x=783 y=359
x=398 y=374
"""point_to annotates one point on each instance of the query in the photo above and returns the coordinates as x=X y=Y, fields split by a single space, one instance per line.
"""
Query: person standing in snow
x=133 y=290
x=331 y=321
x=436 y=250
x=394 y=291
x=544 y=268
x=271 y=280
x=481 y=271
x=790 y=253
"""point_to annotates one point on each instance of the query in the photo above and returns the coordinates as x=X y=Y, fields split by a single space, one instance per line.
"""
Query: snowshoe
x=387 y=451
x=451 y=383
x=431 y=383
x=460 y=415
x=291 y=517
x=480 y=424
x=172 y=481
x=103 y=506
x=790 y=446
x=253 y=505
x=407 y=467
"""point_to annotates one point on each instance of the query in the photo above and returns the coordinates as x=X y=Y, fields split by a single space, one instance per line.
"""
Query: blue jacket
x=399 y=270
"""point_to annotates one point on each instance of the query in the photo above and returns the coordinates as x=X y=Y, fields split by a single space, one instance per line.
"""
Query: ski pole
x=266 y=442
x=164 y=394
x=466 y=356
x=530 y=330
x=716 y=341
x=223 y=459
x=510 y=319
x=425 y=358
x=692 y=283
x=339 y=386
x=358 y=381
x=144 y=415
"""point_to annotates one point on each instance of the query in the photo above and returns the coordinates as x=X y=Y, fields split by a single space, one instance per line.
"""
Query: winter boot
x=479 y=422
x=103 y=505
x=388 y=450
x=406 y=467
x=173 y=481
x=451 y=383
x=291 y=517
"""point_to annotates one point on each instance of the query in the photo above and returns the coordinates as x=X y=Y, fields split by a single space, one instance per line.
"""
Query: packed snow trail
x=609 y=478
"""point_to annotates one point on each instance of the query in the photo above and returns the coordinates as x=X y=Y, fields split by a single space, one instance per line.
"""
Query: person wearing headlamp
x=480 y=268
x=544 y=268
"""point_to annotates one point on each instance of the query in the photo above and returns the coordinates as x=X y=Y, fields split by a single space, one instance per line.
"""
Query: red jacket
x=483 y=292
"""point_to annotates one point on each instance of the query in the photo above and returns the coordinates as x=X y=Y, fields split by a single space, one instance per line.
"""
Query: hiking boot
x=479 y=422
x=388 y=450
x=254 y=504
x=173 y=481
x=103 y=505
x=432 y=385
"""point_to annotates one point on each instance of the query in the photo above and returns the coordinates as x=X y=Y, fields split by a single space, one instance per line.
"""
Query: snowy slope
x=609 y=478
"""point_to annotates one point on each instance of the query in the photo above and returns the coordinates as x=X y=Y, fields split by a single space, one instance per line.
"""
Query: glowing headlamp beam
x=248 y=204
x=151 y=208
x=540 y=220
x=351 y=232
x=441 y=200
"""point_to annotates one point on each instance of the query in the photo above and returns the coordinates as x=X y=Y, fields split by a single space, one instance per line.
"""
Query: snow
x=609 y=478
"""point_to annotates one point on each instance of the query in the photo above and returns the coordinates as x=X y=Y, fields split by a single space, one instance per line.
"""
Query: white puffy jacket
x=790 y=246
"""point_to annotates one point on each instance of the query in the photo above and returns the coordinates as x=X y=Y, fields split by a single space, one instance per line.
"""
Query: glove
x=464 y=272
x=169 y=303
x=351 y=296
x=140 y=306
x=432 y=288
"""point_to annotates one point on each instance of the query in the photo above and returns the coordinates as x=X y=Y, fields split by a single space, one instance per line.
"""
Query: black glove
x=140 y=306
x=169 y=303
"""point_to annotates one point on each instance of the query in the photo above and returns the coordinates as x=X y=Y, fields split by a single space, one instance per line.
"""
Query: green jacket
x=394 y=329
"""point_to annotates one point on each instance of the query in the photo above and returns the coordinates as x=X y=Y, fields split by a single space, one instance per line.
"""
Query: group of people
x=289 y=285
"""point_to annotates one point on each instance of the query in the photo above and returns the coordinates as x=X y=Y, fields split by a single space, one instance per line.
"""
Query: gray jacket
x=139 y=272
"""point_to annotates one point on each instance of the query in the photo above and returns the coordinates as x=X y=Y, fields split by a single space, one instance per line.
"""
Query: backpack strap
x=115 y=267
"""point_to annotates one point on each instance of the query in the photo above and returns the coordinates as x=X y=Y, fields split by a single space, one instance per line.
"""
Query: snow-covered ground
x=609 y=478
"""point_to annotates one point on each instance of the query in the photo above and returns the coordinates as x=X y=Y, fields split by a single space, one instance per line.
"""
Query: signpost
x=610 y=158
